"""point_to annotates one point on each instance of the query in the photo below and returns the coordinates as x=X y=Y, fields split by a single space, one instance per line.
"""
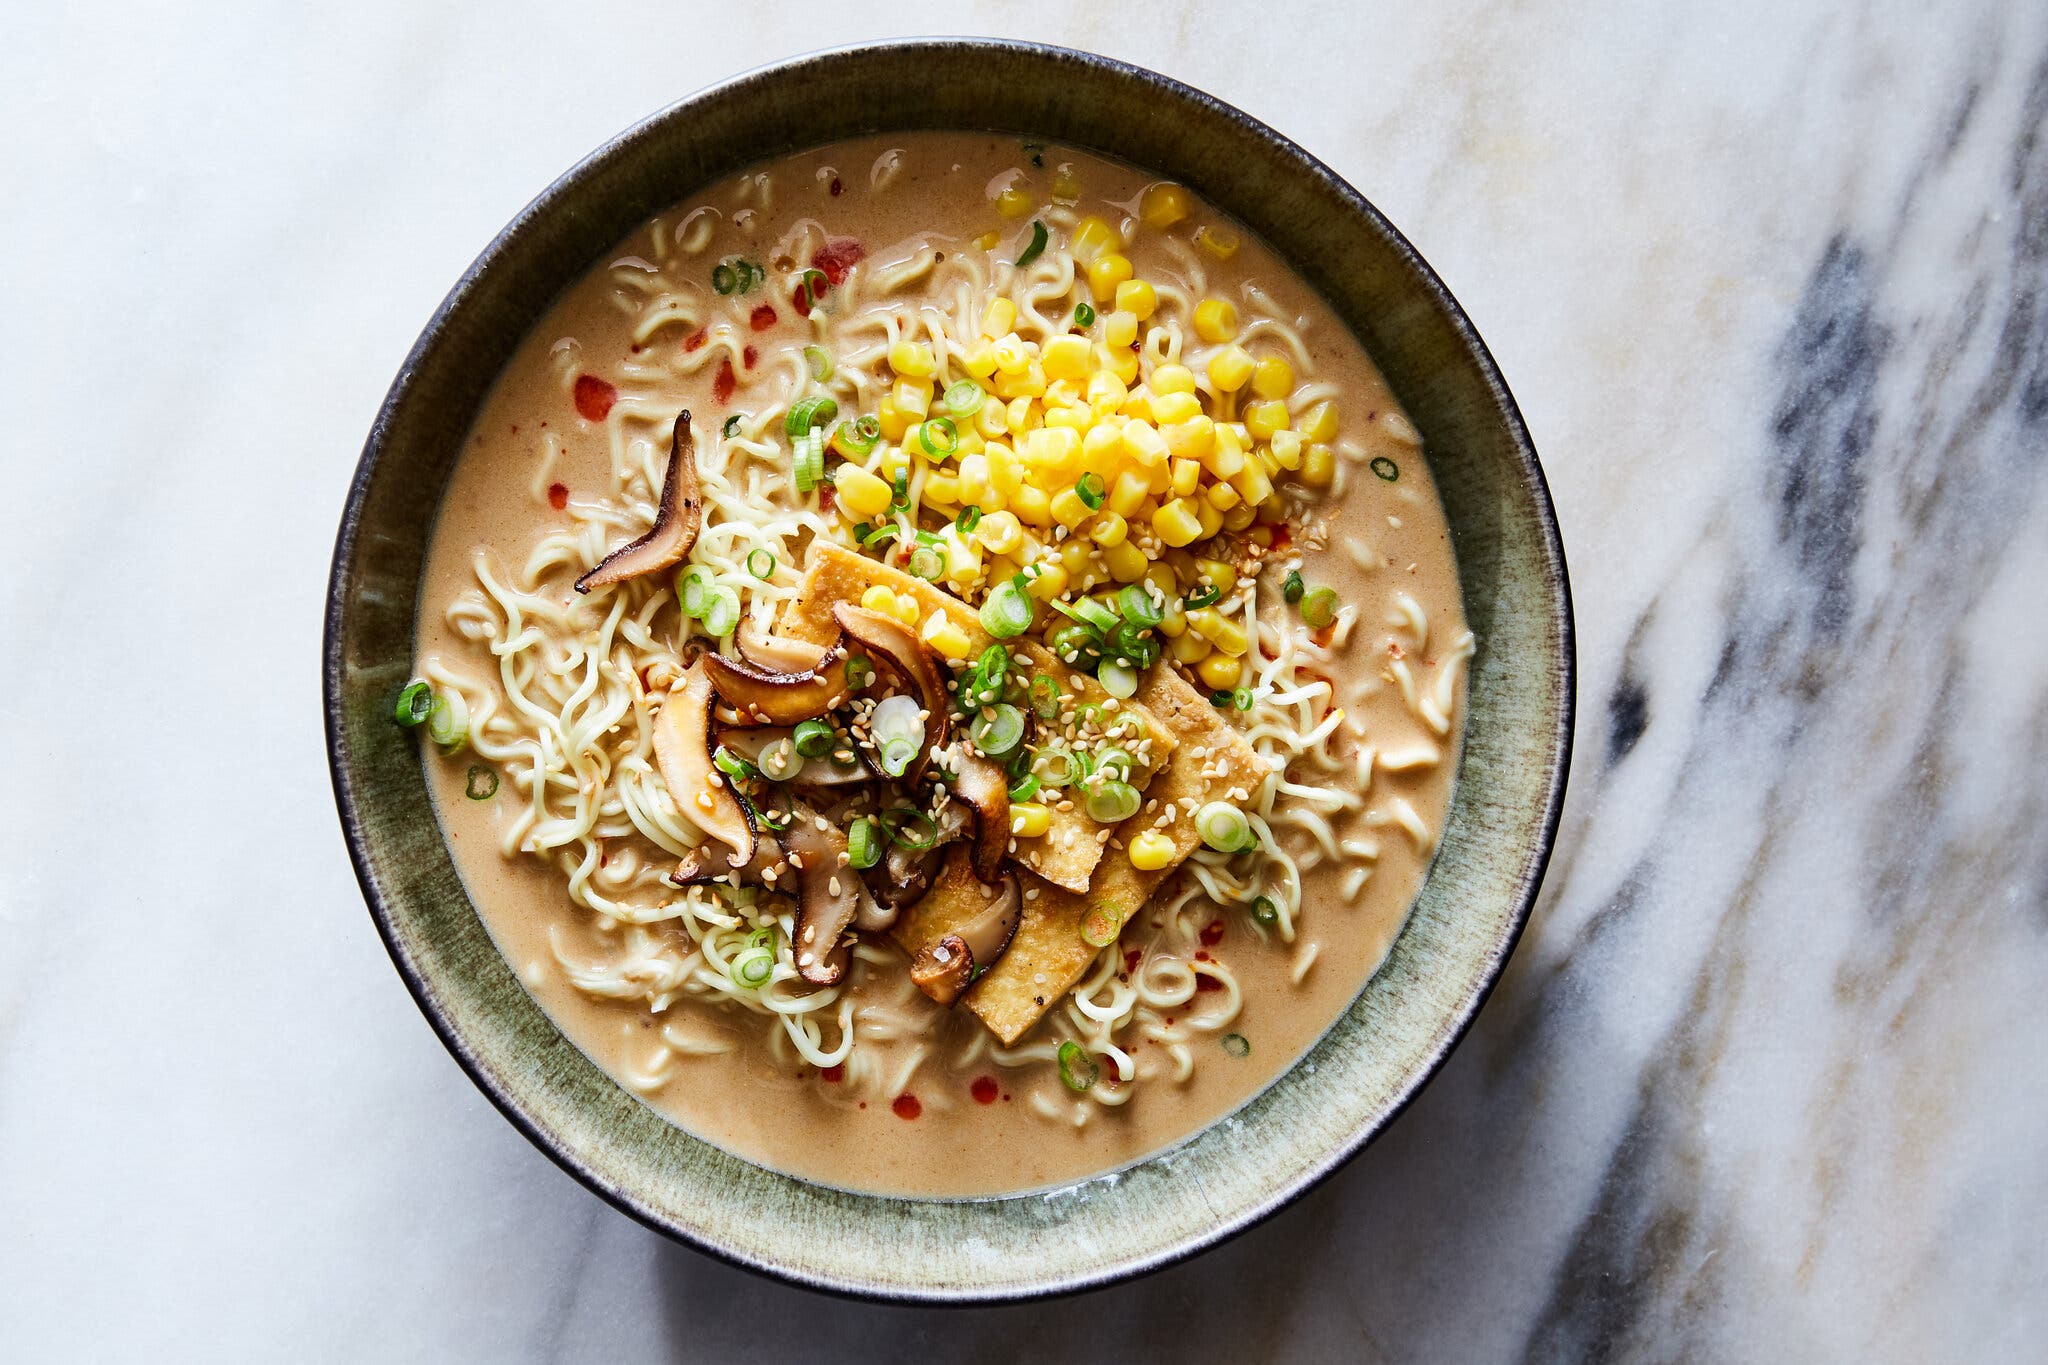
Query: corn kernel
x=879 y=598
x=1218 y=629
x=1269 y=462
x=1018 y=415
x=1273 y=378
x=1218 y=242
x=1046 y=581
x=1012 y=352
x=893 y=422
x=1175 y=407
x=1029 y=819
x=1120 y=361
x=861 y=493
x=1177 y=523
x=1187 y=477
x=946 y=639
x=1108 y=529
x=1073 y=417
x=1252 y=484
x=1222 y=497
x=1000 y=320
x=1188 y=647
x=912 y=397
x=1102 y=449
x=1091 y=238
x=1119 y=329
x=1128 y=493
x=1005 y=471
x=999 y=532
x=1032 y=506
x=1068 y=509
x=1050 y=448
x=1014 y=202
x=1065 y=183
x=909 y=610
x=1273 y=511
x=1151 y=851
x=1106 y=393
x=1191 y=439
x=1286 y=449
x=1220 y=671
x=1208 y=517
x=1106 y=272
x=1217 y=573
x=1263 y=420
x=943 y=489
x=1137 y=298
x=1074 y=557
x=1225 y=459
x=989 y=241
x=1319 y=423
x=1171 y=378
x=1229 y=368
x=1162 y=205
x=1159 y=479
x=1240 y=516
x=981 y=361
x=911 y=359
x=1065 y=357
x=1144 y=444
x=1319 y=466
x=1173 y=619
x=1126 y=562
x=1216 y=320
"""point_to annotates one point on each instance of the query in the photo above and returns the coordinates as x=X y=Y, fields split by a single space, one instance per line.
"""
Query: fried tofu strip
x=1048 y=956
x=1066 y=854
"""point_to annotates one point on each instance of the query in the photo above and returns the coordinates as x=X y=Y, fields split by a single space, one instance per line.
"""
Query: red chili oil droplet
x=594 y=397
x=1202 y=955
x=1212 y=933
x=984 y=1090
x=1208 y=983
x=761 y=319
x=832 y=1075
x=907 y=1107
x=825 y=498
x=750 y=355
x=558 y=495
x=1132 y=956
x=695 y=340
x=1282 y=537
x=837 y=188
x=723 y=383
x=837 y=257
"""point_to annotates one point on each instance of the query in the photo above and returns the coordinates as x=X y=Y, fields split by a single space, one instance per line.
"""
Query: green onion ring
x=1038 y=241
x=761 y=563
x=814 y=411
x=448 y=721
x=938 y=436
x=969 y=518
x=1385 y=468
x=819 y=361
x=814 y=738
x=732 y=424
x=1237 y=1045
x=1207 y=596
x=1090 y=490
x=863 y=846
x=1293 y=588
x=414 y=703
x=998 y=730
x=964 y=398
x=482 y=784
x=1112 y=803
x=1084 y=314
x=1077 y=1069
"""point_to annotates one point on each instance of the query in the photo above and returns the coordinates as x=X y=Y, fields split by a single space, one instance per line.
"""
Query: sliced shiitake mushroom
x=906 y=873
x=831 y=898
x=676 y=520
x=896 y=645
x=682 y=750
x=774 y=653
x=945 y=968
x=779 y=698
x=985 y=789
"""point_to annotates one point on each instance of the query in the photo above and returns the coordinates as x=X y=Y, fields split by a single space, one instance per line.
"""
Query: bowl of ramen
x=949 y=672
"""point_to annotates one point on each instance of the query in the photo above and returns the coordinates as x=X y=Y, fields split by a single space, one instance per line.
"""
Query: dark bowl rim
x=348 y=800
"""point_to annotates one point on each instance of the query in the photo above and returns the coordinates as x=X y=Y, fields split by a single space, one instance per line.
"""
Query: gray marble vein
x=1765 y=1079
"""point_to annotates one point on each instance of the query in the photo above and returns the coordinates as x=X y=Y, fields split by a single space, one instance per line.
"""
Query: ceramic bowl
x=1495 y=842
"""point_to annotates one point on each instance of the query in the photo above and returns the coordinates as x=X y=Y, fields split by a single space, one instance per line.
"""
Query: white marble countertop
x=1765 y=1079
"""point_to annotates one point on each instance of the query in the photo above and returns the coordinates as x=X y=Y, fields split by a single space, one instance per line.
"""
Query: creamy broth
x=936 y=1112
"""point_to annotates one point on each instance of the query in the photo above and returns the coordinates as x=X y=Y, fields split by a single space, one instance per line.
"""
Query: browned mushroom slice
x=774 y=653
x=779 y=698
x=939 y=969
x=983 y=787
x=676 y=520
x=832 y=896
x=682 y=750
x=898 y=646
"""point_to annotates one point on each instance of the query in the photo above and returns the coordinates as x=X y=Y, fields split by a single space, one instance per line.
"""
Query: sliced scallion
x=1007 y=612
x=1112 y=762
x=724 y=279
x=694 y=588
x=1385 y=468
x=1024 y=788
x=938 y=436
x=1237 y=1045
x=1265 y=910
x=928 y=562
x=1084 y=315
x=1090 y=613
x=448 y=721
x=482 y=784
x=1119 y=680
x=1112 y=803
x=1074 y=642
x=1077 y=1069
x=814 y=283
x=1206 y=596
x=856 y=438
x=761 y=564
x=1319 y=608
x=863 y=844
x=1293 y=588
x=1045 y=697
x=733 y=764
x=1055 y=767
x=1241 y=698
x=1039 y=237
x=819 y=361
x=1091 y=490
x=910 y=828
x=969 y=518
x=806 y=413
x=1101 y=925
x=415 y=703
x=964 y=398
x=898 y=755
x=722 y=613
x=859 y=672
x=998 y=730
x=814 y=738
x=780 y=760
x=900 y=497
x=732 y=425
x=1224 y=827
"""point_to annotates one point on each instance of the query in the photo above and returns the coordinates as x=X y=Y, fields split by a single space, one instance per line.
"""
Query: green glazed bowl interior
x=1495 y=841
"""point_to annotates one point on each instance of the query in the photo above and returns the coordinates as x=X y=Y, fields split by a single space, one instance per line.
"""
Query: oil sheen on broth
x=1205 y=371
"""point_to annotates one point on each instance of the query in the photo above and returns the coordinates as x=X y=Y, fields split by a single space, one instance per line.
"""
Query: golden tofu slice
x=1066 y=854
x=1048 y=956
